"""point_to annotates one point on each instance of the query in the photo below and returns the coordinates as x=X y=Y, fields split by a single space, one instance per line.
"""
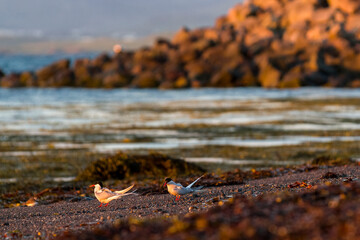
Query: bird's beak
x=92 y=186
x=164 y=184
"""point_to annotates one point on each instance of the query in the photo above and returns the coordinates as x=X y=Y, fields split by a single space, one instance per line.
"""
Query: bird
x=177 y=189
x=105 y=195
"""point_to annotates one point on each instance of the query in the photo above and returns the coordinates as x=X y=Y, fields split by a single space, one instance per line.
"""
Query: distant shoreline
x=39 y=46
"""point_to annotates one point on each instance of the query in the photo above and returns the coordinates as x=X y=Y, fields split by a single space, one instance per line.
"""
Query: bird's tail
x=125 y=190
x=198 y=189
x=129 y=193
x=190 y=185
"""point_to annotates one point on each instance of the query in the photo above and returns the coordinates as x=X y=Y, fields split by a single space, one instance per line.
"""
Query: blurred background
x=240 y=92
x=45 y=27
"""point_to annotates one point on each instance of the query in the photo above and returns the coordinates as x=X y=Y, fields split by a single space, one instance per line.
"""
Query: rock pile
x=272 y=43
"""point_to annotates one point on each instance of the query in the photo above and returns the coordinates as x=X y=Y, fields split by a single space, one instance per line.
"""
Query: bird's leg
x=100 y=205
x=106 y=205
x=177 y=198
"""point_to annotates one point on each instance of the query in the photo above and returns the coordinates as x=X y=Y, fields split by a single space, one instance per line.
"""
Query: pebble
x=192 y=208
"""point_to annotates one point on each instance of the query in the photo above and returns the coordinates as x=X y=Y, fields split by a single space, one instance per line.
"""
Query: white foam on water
x=226 y=161
x=8 y=180
x=223 y=161
x=172 y=143
x=53 y=179
x=112 y=147
x=314 y=127
x=21 y=153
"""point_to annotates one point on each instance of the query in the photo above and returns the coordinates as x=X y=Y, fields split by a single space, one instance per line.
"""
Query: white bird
x=105 y=195
x=177 y=189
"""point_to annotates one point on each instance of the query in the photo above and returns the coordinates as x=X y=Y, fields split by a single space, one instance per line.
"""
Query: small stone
x=195 y=195
x=192 y=208
x=222 y=195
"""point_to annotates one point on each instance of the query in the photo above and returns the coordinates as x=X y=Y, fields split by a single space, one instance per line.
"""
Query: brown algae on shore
x=122 y=165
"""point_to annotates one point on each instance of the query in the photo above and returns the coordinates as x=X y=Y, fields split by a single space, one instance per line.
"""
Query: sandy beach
x=75 y=215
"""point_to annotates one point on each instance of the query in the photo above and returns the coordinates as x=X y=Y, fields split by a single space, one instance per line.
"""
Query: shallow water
x=12 y=63
x=49 y=122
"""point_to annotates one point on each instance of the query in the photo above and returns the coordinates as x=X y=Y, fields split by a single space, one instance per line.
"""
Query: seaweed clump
x=332 y=160
x=122 y=165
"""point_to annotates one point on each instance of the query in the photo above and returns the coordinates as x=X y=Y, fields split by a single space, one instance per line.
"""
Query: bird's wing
x=106 y=190
x=177 y=187
x=190 y=185
x=124 y=190
x=174 y=188
x=114 y=197
x=184 y=190
x=105 y=194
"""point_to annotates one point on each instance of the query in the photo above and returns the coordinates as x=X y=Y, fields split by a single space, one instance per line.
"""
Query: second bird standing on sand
x=177 y=189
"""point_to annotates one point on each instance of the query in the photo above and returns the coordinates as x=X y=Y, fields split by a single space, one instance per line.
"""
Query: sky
x=105 y=18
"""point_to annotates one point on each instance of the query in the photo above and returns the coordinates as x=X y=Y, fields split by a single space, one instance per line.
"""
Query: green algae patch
x=122 y=165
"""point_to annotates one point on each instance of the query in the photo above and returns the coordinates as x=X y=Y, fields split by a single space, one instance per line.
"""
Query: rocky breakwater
x=273 y=43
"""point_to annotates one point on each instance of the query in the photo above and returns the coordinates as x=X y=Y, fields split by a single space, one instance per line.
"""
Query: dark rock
x=291 y=79
x=63 y=78
x=198 y=71
x=330 y=175
x=257 y=40
x=11 y=81
x=222 y=79
x=167 y=85
x=101 y=60
x=114 y=80
x=244 y=75
x=182 y=36
x=315 y=79
x=213 y=55
x=146 y=80
x=86 y=75
x=269 y=77
x=188 y=53
x=28 y=79
x=47 y=74
x=348 y=6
